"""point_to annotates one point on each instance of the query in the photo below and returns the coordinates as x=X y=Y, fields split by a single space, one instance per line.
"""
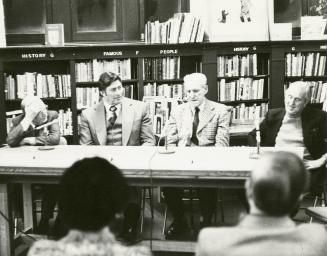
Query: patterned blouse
x=78 y=243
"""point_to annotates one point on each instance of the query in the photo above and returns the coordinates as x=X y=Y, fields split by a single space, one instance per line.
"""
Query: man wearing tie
x=118 y=121
x=199 y=122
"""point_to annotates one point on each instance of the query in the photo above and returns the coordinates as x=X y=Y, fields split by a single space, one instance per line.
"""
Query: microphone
x=257 y=134
x=164 y=134
x=255 y=155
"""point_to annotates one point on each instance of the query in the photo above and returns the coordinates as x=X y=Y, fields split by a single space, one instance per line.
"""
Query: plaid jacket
x=213 y=129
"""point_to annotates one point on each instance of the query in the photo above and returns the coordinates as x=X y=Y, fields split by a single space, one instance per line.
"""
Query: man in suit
x=298 y=125
x=199 y=122
x=273 y=190
x=37 y=126
x=25 y=129
x=118 y=121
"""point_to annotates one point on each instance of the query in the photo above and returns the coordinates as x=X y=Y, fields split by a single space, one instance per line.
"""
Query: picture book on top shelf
x=233 y=20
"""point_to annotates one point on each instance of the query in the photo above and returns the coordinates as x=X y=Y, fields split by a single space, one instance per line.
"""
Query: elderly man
x=273 y=190
x=199 y=122
x=26 y=128
x=37 y=126
x=298 y=125
x=118 y=121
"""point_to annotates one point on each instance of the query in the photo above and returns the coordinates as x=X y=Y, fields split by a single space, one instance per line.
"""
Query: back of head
x=277 y=182
x=92 y=192
x=106 y=79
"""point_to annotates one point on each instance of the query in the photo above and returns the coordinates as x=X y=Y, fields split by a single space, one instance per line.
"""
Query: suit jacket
x=16 y=134
x=86 y=243
x=136 y=125
x=314 y=126
x=213 y=129
x=263 y=235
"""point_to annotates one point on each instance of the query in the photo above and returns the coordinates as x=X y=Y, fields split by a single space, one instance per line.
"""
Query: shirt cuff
x=25 y=124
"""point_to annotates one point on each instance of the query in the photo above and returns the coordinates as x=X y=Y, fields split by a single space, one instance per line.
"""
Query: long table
x=142 y=166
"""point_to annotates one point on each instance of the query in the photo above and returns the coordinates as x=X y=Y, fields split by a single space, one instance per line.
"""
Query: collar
x=266 y=221
x=107 y=107
x=201 y=107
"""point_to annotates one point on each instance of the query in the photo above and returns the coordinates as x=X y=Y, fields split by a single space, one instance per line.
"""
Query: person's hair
x=304 y=86
x=92 y=191
x=106 y=79
x=197 y=78
x=28 y=100
x=278 y=191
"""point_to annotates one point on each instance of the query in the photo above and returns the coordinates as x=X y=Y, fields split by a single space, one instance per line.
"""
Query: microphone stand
x=256 y=155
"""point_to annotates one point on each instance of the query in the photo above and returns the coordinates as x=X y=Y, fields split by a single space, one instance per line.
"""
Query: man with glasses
x=118 y=121
x=298 y=125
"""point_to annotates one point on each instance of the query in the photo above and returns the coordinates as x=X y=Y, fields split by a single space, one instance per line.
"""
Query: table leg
x=28 y=206
x=6 y=239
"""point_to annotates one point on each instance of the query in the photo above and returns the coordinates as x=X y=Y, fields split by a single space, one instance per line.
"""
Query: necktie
x=194 y=138
x=113 y=117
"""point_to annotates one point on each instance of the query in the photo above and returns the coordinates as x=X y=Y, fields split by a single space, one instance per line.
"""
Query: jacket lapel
x=127 y=120
x=207 y=115
x=275 y=122
x=307 y=121
x=99 y=123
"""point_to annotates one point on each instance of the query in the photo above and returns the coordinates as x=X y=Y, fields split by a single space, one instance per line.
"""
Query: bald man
x=273 y=190
x=25 y=127
x=298 y=125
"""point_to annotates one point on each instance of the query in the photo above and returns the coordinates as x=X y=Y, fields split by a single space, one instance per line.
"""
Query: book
x=54 y=34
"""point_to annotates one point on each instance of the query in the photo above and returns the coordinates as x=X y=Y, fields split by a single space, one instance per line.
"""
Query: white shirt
x=109 y=113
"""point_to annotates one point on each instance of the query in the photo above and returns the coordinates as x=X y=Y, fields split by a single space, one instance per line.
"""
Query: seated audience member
x=273 y=190
x=298 y=125
x=197 y=123
x=92 y=192
x=25 y=132
x=118 y=121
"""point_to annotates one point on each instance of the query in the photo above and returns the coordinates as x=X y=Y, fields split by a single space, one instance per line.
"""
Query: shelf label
x=114 y=53
x=171 y=51
x=323 y=47
x=33 y=55
x=242 y=49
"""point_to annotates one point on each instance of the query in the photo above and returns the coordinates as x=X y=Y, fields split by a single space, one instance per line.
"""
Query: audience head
x=35 y=104
x=111 y=88
x=276 y=183
x=92 y=192
x=196 y=88
x=297 y=96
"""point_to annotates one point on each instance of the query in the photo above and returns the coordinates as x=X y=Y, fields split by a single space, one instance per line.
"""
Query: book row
x=91 y=70
x=305 y=64
x=181 y=28
x=238 y=65
x=161 y=68
x=241 y=89
x=253 y=112
x=31 y=83
x=89 y=96
x=164 y=90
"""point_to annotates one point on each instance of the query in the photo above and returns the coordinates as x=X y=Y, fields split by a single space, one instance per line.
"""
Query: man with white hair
x=37 y=126
x=199 y=122
x=298 y=125
x=25 y=129
x=276 y=184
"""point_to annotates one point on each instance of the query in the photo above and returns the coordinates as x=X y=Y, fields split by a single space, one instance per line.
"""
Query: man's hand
x=314 y=164
x=28 y=141
x=32 y=110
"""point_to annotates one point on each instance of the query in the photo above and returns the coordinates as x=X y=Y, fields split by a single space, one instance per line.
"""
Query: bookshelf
x=143 y=67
